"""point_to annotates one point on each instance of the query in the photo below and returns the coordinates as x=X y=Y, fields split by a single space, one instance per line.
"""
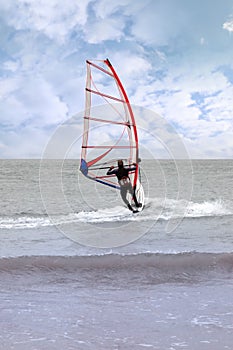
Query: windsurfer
x=122 y=174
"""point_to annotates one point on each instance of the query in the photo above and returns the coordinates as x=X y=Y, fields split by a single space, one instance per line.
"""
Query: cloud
x=198 y=118
x=228 y=26
x=53 y=18
x=26 y=143
x=202 y=41
x=131 y=67
x=219 y=146
x=173 y=57
x=29 y=103
x=154 y=25
x=100 y=31
x=110 y=20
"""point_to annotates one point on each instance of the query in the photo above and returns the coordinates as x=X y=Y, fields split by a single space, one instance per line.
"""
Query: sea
x=79 y=271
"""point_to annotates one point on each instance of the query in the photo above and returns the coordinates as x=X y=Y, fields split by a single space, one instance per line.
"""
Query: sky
x=174 y=57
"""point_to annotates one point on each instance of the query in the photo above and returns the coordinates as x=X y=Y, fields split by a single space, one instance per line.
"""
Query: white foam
x=24 y=222
x=104 y=215
x=171 y=208
x=213 y=208
x=155 y=209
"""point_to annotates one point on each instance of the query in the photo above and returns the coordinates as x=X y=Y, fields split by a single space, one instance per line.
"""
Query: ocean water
x=79 y=271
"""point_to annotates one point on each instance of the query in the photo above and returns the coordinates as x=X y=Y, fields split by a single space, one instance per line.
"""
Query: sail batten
x=109 y=121
x=105 y=95
x=104 y=147
x=100 y=68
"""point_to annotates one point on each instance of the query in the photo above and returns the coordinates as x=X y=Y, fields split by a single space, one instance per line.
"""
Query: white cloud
x=219 y=146
x=11 y=66
x=202 y=41
x=105 y=8
x=165 y=52
x=161 y=55
x=130 y=66
x=202 y=123
x=54 y=18
x=111 y=20
x=30 y=100
x=28 y=142
x=159 y=22
x=99 y=31
x=228 y=26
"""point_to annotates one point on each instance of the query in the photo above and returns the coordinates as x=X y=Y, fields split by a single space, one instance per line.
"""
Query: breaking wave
x=155 y=209
x=141 y=267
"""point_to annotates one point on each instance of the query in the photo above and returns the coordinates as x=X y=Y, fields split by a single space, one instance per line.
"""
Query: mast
x=108 y=63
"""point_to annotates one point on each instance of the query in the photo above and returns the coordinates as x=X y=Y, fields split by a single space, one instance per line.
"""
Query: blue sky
x=173 y=56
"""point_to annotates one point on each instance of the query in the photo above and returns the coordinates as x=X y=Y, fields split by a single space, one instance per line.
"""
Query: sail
x=110 y=131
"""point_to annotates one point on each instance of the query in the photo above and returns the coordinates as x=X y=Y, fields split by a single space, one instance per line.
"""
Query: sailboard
x=109 y=129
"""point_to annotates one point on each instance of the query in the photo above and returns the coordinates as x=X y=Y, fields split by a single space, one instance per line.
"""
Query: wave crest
x=155 y=209
x=189 y=262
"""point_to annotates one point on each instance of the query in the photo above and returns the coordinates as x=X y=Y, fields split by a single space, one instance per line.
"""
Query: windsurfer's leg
x=123 y=196
x=132 y=192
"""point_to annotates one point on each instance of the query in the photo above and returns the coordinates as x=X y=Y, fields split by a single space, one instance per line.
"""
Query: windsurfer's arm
x=111 y=171
x=131 y=167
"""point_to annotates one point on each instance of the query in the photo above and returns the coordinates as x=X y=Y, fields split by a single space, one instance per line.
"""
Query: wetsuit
x=122 y=174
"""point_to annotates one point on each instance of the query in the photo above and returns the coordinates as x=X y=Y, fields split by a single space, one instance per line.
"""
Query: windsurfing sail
x=110 y=131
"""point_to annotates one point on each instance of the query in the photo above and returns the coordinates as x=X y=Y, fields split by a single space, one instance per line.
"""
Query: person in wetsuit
x=122 y=174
